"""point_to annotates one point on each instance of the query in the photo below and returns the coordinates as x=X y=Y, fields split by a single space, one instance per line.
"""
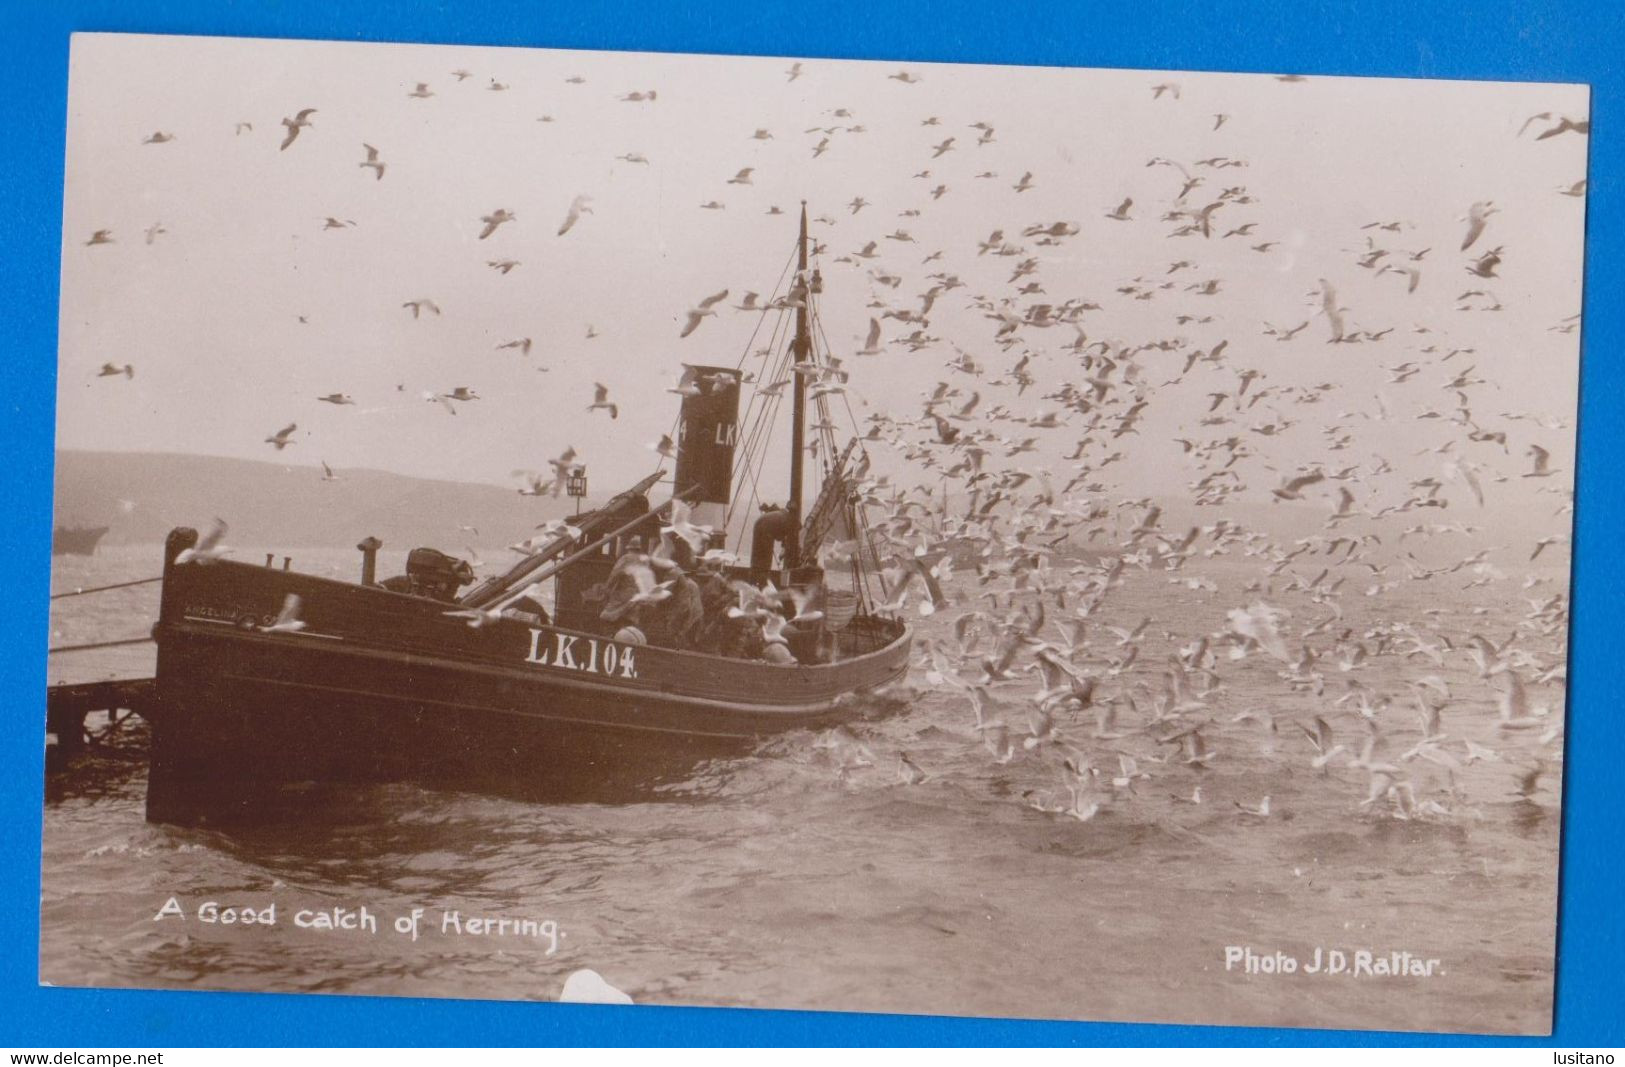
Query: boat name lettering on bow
x=587 y=654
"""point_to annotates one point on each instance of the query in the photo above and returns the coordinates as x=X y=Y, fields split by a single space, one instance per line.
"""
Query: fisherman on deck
x=621 y=591
x=683 y=613
x=430 y=573
x=716 y=597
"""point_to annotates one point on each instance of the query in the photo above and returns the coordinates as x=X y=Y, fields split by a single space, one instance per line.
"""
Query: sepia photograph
x=834 y=535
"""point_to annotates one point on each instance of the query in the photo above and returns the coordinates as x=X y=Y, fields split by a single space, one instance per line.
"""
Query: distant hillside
x=142 y=495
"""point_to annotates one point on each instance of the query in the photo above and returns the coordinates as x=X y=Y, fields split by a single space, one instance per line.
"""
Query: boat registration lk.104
x=574 y=652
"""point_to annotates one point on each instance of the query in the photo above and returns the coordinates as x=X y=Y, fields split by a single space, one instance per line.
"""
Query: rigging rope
x=104 y=588
x=101 y=644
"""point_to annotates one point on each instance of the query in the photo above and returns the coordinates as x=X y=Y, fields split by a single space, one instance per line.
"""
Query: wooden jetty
x=67 y=707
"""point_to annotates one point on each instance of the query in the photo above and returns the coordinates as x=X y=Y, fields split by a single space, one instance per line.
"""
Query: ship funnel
x=707 y=431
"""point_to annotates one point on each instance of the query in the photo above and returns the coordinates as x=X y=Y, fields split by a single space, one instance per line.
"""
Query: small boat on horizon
x=623 y=651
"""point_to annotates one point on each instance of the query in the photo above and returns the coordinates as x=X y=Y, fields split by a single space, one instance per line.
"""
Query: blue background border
x=1573 y=42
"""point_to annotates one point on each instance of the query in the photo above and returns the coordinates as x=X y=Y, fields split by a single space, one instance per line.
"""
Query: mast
x=801 y=351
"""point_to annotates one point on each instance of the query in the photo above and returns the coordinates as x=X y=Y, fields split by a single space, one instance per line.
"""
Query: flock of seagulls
x=1032 y=560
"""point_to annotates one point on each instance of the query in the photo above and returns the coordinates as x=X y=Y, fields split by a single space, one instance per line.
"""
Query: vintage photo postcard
x=772 y=532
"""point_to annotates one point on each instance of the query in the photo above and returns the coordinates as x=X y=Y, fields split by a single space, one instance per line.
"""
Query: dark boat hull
x=76 y=541
x=382 y=686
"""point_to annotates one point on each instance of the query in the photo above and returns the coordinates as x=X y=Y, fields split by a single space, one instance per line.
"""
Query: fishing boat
x=76 y=540
x=531 y=683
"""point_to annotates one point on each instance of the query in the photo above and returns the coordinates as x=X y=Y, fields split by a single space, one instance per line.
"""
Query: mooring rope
x=104 y=588
x=101 y=644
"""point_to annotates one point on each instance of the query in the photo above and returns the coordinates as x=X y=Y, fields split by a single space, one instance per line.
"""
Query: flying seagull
x=495 y=219
x=600 y=399
x=704 y=308
x=1477 y=217
x=294 y=125
x=373 y=161
x=283 y=437
x=581 y=205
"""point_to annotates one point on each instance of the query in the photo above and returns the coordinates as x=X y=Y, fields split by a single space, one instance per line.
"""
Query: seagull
x=287 y=620
x=209 y=547
x=904 y=76
x=421 y=305
x=1545 y=543
x=422 y=91
x=521 y=343
x=373 y=161
x=1485 y=265
x=1333 y=313
x=1478 y=216
x=160 y=137
x=1292 y=488
x=294 y=125
x=1120 y=213
x=1262 y=811
x=794 y=72
x=1541 y=458
x=495 y=219
x=1197 y=754
x=1529 y=781
x=339 y=399
x=871 y=346
x=743 y=177
x=705 y=307
x=502 y=266
x=1565 y=125
x=110 y=371
x=1512 y=703
x=600 y=399
x=101 y=237
x=327 y=473
x=283 y=437
x=579 y=206
x=154 y=231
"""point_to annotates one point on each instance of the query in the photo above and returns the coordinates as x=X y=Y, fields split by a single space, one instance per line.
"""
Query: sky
x=244 y=308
